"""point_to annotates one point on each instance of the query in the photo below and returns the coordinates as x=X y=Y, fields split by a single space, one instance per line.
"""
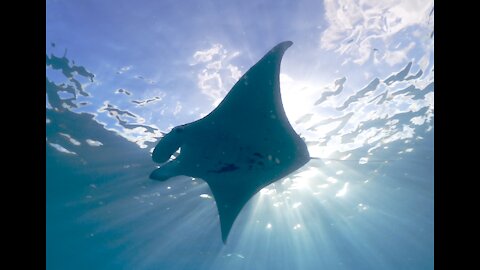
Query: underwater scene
x=213 y=134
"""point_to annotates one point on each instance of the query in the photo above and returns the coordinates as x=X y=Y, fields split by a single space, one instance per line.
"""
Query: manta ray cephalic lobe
x=242 y=146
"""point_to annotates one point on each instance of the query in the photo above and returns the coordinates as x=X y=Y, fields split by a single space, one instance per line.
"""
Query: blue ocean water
x=366 y=203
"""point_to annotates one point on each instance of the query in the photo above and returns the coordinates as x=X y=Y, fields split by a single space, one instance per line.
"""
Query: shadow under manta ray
x=243 y=145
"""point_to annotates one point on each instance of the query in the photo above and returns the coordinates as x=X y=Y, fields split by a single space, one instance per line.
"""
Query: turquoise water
x=119 y=76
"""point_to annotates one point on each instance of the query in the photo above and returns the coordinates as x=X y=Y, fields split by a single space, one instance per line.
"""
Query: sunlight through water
x=357 y=85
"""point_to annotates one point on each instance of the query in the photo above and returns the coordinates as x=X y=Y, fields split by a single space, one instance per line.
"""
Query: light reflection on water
x=366 y=203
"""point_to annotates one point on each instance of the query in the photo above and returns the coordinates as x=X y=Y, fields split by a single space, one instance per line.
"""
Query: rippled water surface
x=357 y=85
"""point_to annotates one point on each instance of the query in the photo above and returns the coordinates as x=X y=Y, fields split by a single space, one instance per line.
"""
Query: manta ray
x=245 y=144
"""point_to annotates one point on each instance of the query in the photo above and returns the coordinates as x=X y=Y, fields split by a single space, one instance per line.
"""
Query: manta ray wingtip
x=157 y=175
x=283 y=46
x=287 y=43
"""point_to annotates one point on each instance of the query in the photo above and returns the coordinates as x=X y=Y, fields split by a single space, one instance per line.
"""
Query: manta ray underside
x=243 y=145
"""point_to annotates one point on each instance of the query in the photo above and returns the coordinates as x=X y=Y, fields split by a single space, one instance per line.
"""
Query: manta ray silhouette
x=243 y=145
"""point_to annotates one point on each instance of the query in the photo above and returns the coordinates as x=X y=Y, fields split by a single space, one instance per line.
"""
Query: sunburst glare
x=357 y=86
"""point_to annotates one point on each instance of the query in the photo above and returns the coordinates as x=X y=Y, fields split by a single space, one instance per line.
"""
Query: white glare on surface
x=205 y=196
x=70 y=139
x=299 y=183
x=309 y=173
x=332 y=180
x=62 y=149
x=361 y=207
x=277 y=204
x=296 y=205
x=342 y=191
x=363 y=160
x=267 y=191
x=94 y=143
